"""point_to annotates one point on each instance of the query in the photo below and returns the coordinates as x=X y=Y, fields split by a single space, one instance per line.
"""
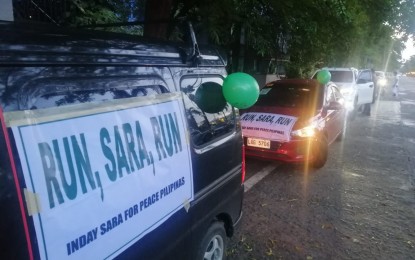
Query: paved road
x=361 y=205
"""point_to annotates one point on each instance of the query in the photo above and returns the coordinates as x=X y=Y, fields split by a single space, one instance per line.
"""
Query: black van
x=105 y=152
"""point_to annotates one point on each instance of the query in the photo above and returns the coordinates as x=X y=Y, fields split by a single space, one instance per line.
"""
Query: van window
x=340 y=76
x=205 y=127
x=53 y=93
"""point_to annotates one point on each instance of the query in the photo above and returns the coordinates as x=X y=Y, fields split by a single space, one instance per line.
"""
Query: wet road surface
x=360 y=205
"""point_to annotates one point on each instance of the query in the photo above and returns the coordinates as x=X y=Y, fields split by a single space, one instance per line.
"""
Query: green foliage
x=409 y=65
x=308 y=33
x=93 y=12
x=83 y=12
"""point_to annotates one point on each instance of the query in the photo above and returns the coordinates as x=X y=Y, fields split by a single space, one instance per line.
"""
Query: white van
x=356 y=86
x=105 y=153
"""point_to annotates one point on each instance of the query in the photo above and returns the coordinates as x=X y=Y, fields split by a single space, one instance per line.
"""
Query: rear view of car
x=345 y=79
x=294 y=121
x=356 y=86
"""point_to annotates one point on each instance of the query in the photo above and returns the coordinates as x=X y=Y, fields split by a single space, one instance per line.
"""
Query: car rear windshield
x=293 y=96
x=340 y=76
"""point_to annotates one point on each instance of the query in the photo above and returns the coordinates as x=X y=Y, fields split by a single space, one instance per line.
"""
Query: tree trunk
x=157 y=14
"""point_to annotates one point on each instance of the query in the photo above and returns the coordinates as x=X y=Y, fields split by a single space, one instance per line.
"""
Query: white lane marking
x=259 y=176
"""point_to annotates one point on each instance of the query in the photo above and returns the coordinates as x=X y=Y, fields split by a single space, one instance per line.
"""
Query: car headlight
x=382 y=82
x=308 y=131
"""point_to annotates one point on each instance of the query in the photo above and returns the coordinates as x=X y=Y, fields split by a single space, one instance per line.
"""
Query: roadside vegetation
x=409 y=67
x=302 y=34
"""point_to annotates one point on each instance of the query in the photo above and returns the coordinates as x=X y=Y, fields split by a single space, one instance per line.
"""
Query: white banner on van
x=267 y=126
x=104 y=179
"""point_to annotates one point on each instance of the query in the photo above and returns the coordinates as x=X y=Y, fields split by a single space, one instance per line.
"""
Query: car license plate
x=261 y=143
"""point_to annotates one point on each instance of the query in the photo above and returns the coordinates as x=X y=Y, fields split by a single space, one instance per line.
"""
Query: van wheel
x=321 y=151
x=213 y=244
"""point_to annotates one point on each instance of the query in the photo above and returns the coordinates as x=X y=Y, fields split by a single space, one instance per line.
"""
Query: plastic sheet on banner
x=105 y=174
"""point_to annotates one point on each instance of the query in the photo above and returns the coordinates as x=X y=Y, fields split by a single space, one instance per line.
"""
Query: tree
x=81 y=13
x=409 y=65
x=308 y=33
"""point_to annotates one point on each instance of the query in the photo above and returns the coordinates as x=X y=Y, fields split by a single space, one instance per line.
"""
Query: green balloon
x=323 y=76
x=240 y=90
x=209 y=98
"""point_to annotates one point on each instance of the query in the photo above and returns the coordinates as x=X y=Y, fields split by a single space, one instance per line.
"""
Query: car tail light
x=243 y=163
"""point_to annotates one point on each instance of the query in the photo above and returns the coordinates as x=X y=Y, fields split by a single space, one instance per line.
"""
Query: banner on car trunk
x=104 y=175
x=267 y=126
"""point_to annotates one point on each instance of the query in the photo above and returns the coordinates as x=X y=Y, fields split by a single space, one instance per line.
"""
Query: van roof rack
x=28 y=43
x=194 y=55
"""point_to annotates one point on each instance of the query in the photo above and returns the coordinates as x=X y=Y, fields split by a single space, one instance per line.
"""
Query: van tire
x=321 y=152
x=214 y=243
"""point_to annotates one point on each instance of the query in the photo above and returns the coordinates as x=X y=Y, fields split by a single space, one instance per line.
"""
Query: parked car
x=356 y=86
x=104 y=152
x=294 y=120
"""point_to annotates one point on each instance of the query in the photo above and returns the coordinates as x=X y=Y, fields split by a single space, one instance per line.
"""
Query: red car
x=294 y=120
